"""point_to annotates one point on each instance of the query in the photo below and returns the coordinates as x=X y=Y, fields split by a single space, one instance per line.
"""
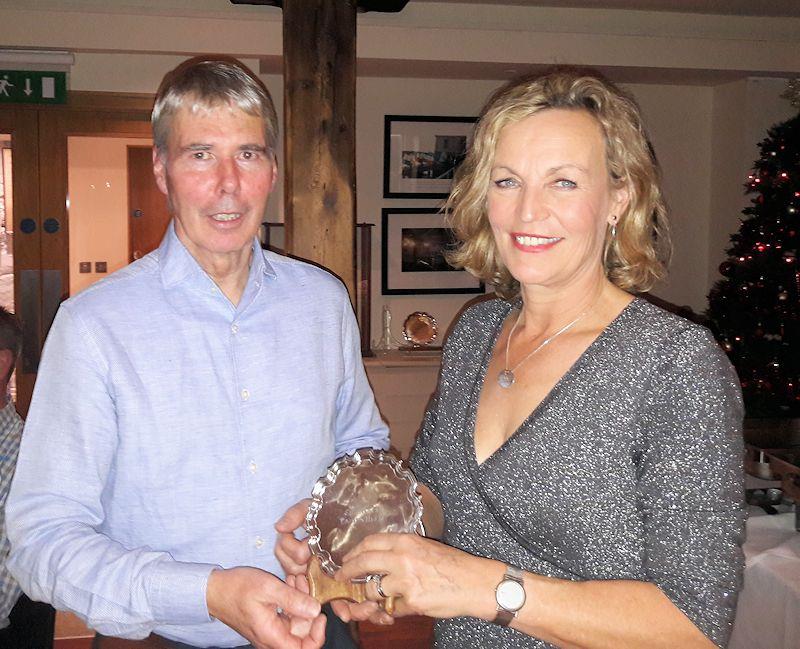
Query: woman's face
x=550 y=199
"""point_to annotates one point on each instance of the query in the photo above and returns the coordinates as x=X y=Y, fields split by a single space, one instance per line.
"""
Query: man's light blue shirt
x=169 y=430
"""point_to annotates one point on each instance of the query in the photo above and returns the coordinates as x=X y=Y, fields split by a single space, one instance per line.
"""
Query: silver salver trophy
x=360 y=494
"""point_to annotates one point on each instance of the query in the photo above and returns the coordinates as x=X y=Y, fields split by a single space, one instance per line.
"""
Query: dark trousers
x=337 y=636
x=31 y=627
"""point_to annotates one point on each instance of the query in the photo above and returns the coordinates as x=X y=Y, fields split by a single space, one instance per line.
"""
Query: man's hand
x=350 y=612
x=292 y=554
x=248 y=600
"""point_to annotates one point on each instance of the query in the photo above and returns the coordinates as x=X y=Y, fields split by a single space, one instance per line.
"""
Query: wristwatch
x=510 y=595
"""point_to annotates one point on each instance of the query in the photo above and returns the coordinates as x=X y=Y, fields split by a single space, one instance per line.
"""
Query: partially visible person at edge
x=186 y=401
x=23 y=624
x=585 y=446
x=10 y=437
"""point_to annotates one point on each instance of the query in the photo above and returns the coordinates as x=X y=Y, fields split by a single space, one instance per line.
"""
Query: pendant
x=505 y=379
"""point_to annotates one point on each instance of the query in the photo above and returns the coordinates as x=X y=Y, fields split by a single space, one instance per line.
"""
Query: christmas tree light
x=755 y=309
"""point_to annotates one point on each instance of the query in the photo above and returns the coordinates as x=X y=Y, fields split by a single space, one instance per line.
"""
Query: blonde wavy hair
x=637 y=256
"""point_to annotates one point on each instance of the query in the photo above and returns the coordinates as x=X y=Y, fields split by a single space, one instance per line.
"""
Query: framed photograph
x=421 y=154
x=413 y=243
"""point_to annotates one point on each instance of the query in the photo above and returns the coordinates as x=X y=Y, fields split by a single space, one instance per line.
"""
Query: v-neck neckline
x=477 y=387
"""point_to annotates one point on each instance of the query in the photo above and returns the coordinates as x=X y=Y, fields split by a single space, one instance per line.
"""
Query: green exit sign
x=29 y=87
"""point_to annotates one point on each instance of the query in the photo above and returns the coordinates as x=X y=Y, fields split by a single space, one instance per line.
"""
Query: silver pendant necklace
x=506 y=377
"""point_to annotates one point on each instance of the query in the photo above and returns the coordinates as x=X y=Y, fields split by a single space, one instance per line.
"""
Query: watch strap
x=503 y=617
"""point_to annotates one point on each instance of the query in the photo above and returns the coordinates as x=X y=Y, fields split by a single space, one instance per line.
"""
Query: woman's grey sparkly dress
x=631 y=468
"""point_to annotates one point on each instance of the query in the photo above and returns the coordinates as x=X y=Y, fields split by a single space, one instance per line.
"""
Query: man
x=186 y=401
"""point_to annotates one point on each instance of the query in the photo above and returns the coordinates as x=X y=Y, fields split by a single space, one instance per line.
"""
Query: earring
x=614 y=227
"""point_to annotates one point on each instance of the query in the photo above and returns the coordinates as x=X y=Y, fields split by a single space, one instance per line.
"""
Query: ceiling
x=730 y=7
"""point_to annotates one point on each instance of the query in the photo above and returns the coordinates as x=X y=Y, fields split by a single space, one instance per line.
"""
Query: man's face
x=217 y=174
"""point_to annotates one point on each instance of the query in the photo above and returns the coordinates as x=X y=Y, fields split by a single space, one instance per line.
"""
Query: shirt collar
x=177 y=263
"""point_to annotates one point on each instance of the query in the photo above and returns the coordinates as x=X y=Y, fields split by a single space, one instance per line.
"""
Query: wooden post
x=364 y=302
x=319 y=53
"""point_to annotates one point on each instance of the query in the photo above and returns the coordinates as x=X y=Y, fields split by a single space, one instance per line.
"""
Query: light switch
x=85 y=267
x=100 y=267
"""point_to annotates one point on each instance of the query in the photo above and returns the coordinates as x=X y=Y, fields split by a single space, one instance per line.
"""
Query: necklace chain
x=506 y=378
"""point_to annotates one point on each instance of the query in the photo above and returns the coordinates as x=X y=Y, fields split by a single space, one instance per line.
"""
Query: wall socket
x=85 y=267
x=100 y=267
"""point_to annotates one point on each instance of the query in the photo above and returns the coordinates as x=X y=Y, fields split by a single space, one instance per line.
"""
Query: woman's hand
x=427 y=577
x=294 y=555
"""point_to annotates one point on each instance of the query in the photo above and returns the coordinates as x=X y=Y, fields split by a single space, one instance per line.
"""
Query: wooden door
x=148 y=215
x=22 y=125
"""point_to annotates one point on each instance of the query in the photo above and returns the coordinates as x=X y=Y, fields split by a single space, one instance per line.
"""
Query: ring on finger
x=376 y=579
x=379 y=589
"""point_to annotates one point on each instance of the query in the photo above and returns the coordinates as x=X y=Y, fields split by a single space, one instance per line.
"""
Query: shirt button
x=245 y=394
x=259 y=542
x=252 y=466
x=234 y=328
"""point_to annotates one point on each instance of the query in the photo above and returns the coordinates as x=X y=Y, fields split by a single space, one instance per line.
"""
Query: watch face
x=510 y=595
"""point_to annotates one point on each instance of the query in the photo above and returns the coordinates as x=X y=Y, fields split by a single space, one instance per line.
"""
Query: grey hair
x=208 y=83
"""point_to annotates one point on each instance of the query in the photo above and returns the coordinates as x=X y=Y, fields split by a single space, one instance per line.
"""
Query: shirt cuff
x=177 y=592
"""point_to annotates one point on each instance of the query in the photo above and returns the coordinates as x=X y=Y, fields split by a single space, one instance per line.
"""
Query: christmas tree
x=755 y=309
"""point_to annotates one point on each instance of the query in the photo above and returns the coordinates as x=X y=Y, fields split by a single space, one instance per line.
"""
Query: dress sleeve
x=690 y=481
x=55 y=507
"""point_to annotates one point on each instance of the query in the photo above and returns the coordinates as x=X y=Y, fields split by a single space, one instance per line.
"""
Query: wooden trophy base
x=324 y=588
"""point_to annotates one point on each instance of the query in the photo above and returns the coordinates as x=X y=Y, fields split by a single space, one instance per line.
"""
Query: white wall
x=375 y=98
x=742 y=112
x=98 y=205
x=678 y=121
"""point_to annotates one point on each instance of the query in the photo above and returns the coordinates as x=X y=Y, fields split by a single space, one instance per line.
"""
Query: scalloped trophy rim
x=369 y=456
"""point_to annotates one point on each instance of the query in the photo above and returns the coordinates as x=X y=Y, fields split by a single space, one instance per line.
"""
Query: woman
x=585 y=445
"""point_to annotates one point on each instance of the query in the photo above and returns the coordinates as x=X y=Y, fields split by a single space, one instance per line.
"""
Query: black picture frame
x=405 y=231
x=421 y=152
